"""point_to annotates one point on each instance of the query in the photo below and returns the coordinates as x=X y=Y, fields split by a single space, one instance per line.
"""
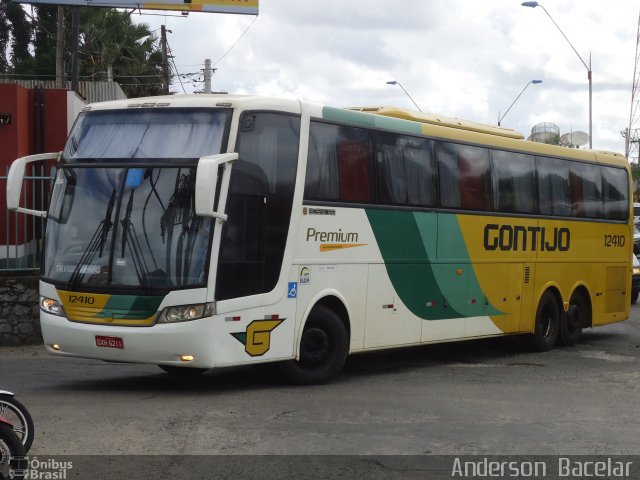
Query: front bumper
x=161 y=344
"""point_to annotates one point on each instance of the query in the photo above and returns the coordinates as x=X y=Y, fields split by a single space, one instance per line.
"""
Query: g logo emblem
x=257 y=337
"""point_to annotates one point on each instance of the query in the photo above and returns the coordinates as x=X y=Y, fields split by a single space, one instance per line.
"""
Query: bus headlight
x=184 y=313
x=51 y=306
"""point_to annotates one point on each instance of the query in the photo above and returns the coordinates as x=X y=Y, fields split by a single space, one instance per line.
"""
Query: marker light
x=185 y=313
x=186 y=358
x=51 y=306
x=55 y=347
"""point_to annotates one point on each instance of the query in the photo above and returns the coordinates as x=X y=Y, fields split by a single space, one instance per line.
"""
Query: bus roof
x=438 y=125
x=441 y=121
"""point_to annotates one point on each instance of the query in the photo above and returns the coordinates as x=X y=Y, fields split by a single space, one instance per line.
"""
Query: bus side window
x=406 y=170
x=339 y=164
x=615 y=192
x=514 y=182
x=354 y=161
x=553 y=186
x=464 y=176
x=586 y=184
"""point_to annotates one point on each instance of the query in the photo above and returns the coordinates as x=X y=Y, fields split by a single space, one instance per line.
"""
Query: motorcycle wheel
x=19 y=416
x=10 y=447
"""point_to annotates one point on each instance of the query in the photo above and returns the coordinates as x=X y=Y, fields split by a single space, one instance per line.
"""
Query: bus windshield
x=114 y=222
x=140 y=135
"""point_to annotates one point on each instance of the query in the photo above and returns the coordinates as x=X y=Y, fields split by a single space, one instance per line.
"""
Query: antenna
x=576 y=139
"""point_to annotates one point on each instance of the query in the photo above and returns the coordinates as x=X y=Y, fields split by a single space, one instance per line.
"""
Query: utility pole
x=60 y=48
x=75 y=40
x=207 y=75
x=165 y=58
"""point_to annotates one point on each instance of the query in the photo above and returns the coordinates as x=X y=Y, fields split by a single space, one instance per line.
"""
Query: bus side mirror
x=16 y=178
x=207 y=182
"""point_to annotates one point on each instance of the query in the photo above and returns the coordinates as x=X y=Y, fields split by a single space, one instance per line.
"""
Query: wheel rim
x=547 y=318
x=315 y=347
x=17 y=418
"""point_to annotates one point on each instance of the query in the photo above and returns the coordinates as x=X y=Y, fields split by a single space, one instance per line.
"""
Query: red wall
x=38 y=125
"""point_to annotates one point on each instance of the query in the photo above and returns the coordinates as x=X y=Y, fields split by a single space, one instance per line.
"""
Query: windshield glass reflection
x=131 y=227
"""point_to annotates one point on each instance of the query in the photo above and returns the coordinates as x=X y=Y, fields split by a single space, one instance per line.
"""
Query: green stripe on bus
x=431 y=291
x=131 y=307
x=371 y=121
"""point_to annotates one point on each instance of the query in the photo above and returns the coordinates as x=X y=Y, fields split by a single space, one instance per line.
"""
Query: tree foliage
x=108 y=37
x=15 y=35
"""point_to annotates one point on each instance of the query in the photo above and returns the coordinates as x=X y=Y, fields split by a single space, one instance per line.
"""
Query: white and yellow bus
x=195 y=232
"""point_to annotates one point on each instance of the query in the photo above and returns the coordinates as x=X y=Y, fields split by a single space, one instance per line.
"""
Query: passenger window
x=464 y=176
x=513 y=181
x=339 y=164
x=615 y=184
x=586 y=190
x=553 y=186
x=406 y=170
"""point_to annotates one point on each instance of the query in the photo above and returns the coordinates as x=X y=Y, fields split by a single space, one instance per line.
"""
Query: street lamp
x=393 y=82
x=534 y=82
x=588 y=67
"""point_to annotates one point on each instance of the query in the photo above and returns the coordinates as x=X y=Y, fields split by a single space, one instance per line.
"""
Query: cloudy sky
x=458 y=58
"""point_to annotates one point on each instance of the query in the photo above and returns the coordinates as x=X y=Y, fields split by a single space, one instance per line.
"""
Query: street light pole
x=393 y=82
x=534 y=82
x=588 y=67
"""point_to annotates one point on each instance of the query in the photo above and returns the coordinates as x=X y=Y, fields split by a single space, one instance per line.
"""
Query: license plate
x=109 y=342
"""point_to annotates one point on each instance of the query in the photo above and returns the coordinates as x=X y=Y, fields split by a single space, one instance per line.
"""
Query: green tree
x=15 y=36
x=108 y=37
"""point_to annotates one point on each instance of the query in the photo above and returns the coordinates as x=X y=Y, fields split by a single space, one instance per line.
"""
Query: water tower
x=544 y=132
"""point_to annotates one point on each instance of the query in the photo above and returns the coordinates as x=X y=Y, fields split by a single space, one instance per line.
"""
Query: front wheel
x=19 y=416
x=547 y=323
x=324 y=347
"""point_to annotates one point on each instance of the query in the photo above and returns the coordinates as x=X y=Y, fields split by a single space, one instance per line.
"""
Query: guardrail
x=20 y=234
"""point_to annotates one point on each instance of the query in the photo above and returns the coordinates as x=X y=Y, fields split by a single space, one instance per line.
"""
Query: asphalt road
x=488 y=397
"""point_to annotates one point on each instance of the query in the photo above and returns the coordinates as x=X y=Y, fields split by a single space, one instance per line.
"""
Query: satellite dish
x=575 y=138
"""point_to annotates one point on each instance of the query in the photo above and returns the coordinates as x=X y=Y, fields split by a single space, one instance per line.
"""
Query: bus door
x=259 y=205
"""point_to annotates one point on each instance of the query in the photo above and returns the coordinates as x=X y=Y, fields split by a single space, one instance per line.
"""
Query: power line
x=174 y=66
x=236 y=42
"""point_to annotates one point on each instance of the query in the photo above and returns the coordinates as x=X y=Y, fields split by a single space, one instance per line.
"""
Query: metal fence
x=20 y=234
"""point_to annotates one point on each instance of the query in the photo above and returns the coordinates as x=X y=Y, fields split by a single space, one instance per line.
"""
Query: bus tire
x=547 y=323
x=182 y=371
x=574 y=319
x=324 y=347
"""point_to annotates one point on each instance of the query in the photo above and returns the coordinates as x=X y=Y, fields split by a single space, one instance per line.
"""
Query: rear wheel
x=547 y=323
x=324 y=346
x=574 y=319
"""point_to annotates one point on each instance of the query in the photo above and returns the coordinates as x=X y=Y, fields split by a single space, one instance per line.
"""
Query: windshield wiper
x=130 y=238
x=96 y=243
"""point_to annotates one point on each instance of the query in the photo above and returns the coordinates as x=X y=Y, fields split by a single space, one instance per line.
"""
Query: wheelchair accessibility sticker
x=293 y=290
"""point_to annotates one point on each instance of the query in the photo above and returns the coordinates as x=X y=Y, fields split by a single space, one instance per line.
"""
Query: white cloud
x=455 y=57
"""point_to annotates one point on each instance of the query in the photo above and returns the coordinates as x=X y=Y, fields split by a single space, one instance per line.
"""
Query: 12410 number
x=614 y=240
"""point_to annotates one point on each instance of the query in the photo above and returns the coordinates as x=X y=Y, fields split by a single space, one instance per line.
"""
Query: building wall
x=39 y=124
